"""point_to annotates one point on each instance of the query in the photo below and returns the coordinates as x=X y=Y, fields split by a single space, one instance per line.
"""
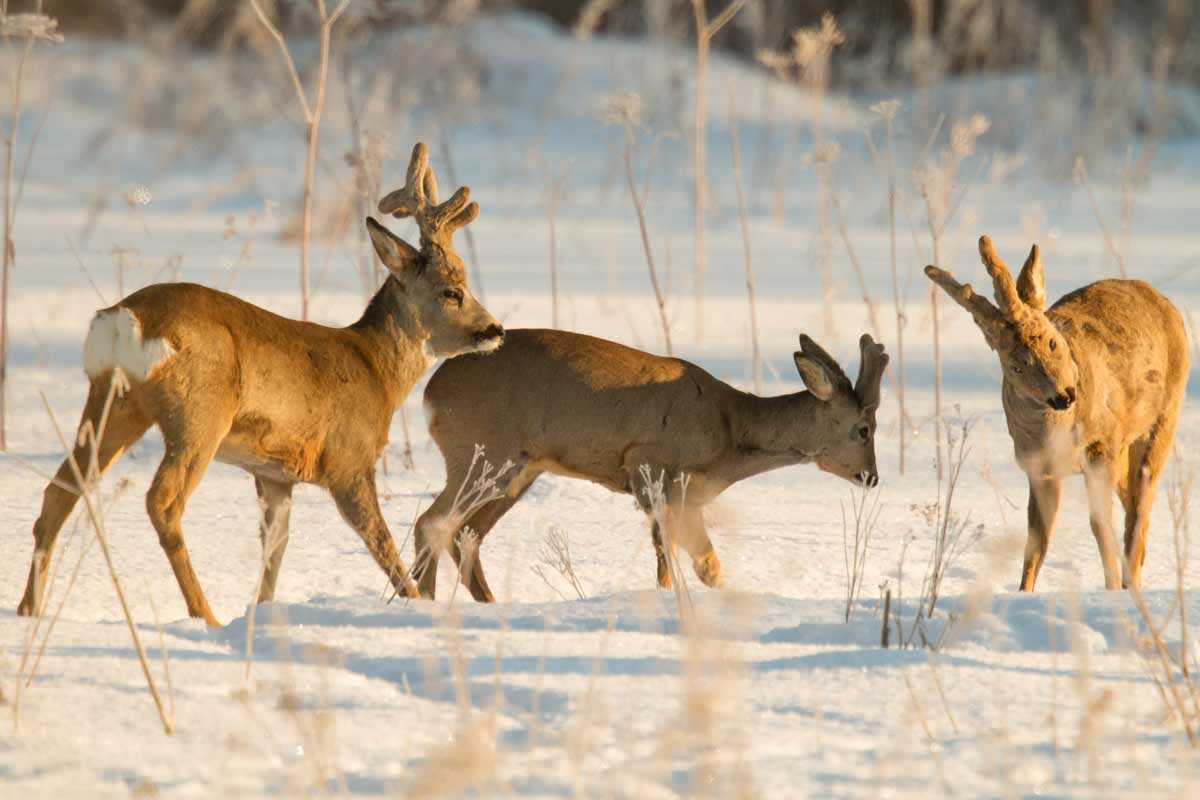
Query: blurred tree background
x=881 y=35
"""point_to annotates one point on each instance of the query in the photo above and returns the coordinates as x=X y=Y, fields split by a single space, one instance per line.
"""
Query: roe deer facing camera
x=574 y=405
x=1092 y=385
x=290 y=402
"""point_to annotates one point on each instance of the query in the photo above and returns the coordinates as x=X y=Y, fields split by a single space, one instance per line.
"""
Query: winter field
x=153 y=165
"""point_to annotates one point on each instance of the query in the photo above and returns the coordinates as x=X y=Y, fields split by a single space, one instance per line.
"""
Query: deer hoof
x=708 y=569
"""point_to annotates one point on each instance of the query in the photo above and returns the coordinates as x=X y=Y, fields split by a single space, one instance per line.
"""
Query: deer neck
x=1045 y=441
x=394 y=339
x=773 y=432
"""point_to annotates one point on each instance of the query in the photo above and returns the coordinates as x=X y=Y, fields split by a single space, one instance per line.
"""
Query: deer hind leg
x=660 y=555
x=190 y=441
x=359 y=505
x=275 y=502
x=1147 y=458
x=1044 y=499
x=124 y=426
x=480 y=523
x=1098 y=477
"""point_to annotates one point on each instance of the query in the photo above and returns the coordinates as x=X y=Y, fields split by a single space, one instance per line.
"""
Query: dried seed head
x=30 y=26
x=626 y=108
x=886 y=108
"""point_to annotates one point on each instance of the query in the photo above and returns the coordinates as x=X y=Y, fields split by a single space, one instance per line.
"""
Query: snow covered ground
x=762 y=690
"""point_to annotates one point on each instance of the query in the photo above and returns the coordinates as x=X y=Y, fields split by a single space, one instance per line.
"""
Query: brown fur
x=288 y=401
x=1092 y=385
x=574 y=405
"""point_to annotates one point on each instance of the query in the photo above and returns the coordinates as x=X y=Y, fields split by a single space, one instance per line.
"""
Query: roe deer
x=1092 y=385
x=574 y=405
x=290 y=402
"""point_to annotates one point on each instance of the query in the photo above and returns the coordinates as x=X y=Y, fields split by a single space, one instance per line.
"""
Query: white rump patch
x=115 y=340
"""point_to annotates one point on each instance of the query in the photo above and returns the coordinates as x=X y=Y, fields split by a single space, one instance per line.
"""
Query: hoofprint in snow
x=762 y=688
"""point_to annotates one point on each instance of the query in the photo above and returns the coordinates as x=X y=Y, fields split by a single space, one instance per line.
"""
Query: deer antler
x=419 y=199
x=870 y=371
x=1002 y=280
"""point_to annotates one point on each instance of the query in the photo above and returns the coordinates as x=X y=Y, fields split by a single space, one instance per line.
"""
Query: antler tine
x=419 y=200
x=411 y=200
x=1002 y=280
x=964 y=295
x=431 y=190
x=870 y=371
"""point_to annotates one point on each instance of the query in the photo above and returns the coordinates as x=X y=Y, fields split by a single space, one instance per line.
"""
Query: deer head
x=1033 y=353
x=433 y=279
x=849 y=443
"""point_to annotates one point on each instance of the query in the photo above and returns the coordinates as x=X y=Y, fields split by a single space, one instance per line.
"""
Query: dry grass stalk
x=1081 y=177
x=626 y=111
x=556 y=555
x=887 y=109
x=865 y=509
x=312 y=119
x=29 y=28
x=557 y=184
x=949 y=529
x=120 y=488
x=705 y=31
x=97 y=521
x=472 y=250
x=744 y=217
x=936 y=183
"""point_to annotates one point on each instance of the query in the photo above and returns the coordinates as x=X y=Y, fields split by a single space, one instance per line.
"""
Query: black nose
x=869 y=479
x=1063 y=401
x=492 y=331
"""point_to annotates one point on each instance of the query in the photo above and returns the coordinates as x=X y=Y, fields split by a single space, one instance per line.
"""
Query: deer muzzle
x=489 y=338
x=1063 y=401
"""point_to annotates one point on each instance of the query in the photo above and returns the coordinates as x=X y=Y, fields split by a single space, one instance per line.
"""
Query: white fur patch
x=490 y=345
x=115 y=340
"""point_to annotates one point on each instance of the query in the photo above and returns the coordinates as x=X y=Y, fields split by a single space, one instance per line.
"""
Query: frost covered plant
x=864 y=511
x=812 y=48
x=626 y=109
x=555 y=556
x=476 y=491
x=952 y=532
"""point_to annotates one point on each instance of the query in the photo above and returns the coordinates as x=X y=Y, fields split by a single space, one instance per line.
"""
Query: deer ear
x=396 y=254
x=1031 y=286
x=815 y=376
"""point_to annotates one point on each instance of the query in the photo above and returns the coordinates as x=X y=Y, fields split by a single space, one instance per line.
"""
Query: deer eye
x=1016 y=369
x=1053 y=344
x=454 y=295
x=864 y=432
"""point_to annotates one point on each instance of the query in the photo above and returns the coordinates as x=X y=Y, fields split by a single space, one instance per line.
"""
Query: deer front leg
x=275 y=505
x=1044 y=498
x=359 y=506
x=1098 y=477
